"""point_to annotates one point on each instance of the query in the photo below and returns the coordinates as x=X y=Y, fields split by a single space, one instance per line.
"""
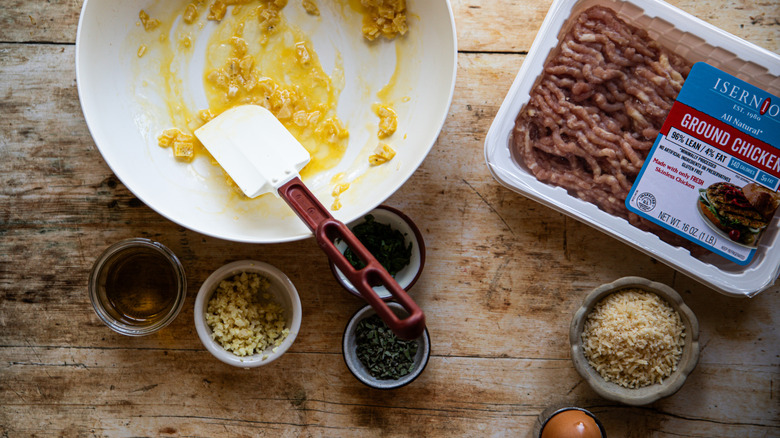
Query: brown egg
x=571 y=423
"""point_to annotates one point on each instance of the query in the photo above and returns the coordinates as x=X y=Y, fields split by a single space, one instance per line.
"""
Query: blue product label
x=713 y=173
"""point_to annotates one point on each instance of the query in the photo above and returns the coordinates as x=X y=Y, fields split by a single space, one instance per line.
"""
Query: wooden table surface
x=503 y=276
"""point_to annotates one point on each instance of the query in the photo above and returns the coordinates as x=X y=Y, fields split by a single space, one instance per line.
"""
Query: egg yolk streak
x=255 y=57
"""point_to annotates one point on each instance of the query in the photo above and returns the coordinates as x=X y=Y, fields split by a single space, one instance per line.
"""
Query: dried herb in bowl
x=381 y=352
x=385 y=244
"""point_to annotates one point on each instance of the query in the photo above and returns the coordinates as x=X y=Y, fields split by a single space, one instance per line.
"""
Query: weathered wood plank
x=512 y=25
x=494 y=26
x=504 y=275
x=117 y=390
x=52 y=21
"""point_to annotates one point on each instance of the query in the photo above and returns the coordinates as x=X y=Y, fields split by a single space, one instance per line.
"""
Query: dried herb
x=384 y=243
x=381 y=352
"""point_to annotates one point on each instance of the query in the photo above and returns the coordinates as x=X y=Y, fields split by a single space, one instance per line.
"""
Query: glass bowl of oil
x=137 y=286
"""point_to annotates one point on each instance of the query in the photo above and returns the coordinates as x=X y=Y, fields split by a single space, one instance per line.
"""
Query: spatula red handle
x=326 y=229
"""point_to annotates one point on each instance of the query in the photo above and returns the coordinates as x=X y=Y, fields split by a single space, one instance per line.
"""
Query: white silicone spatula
x=261 y=156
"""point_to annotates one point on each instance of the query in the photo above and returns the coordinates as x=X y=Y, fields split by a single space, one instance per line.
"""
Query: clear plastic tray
x=692 y=39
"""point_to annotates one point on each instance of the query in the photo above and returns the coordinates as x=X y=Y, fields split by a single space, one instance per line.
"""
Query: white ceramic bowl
x=284 y=294
x=648 y=394
x=407 y=276
x=125 y=112
x=349 y=348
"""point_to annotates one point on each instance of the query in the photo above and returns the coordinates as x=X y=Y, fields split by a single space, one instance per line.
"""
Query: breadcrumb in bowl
x=129 y=101
x=247 y=313
x=637 y=387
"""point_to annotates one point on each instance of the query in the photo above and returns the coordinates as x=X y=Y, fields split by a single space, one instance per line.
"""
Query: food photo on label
x=735 y=211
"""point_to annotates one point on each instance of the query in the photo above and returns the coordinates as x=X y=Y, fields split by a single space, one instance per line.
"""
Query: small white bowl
x=647 y=394
x=284 y=293
x=356 y=367
x=407 y=276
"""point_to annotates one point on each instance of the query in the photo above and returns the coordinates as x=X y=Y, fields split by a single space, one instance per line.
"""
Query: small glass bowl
x=115 y=265
x=407 y=276
x=356 y=367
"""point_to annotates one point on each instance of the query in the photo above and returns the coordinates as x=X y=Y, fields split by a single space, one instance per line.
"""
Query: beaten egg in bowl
x=345 y=82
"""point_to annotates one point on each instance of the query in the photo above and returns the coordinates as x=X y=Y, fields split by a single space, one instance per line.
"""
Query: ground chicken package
x=656 y=128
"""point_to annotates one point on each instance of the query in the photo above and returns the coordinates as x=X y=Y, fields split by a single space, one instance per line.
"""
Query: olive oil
x=140 y=286
x=137 y=286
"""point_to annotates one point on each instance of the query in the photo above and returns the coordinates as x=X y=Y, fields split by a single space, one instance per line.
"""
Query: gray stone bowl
x=648 y=394
x=349 y=348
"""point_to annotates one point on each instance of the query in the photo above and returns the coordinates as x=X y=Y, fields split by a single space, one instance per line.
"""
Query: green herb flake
x=381 y=352
x=384 y=243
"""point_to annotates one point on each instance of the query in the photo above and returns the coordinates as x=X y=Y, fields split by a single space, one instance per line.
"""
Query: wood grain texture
x=503 y=276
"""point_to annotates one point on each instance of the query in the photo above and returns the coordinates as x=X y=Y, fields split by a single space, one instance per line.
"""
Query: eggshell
x=571 y=423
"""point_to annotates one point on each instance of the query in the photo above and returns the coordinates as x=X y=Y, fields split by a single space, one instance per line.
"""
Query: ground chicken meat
x=597 y=109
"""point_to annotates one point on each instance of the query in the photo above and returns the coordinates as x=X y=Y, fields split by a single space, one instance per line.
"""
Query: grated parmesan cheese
x=633 y=338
